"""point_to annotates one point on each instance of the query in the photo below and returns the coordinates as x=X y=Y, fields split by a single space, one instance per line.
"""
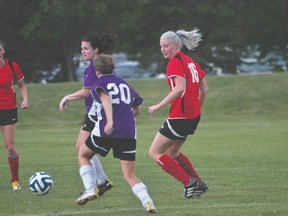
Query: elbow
x=180 y=92
x=205 y=90
x=136 y=111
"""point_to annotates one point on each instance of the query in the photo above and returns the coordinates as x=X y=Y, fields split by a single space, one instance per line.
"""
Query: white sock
x=100 y=174
x=141 y=192
x=88 y=177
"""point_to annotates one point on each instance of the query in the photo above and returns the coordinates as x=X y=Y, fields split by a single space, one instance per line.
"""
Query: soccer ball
x=40 y=183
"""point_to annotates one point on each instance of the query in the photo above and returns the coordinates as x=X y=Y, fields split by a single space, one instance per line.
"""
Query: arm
x=82 y=93
x=136 y=110
x=180 y=85
x=24 y=94
x=203 y=90
x=107 y=105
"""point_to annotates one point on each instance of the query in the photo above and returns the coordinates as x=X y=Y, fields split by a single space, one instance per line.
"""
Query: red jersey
x=187 y=106
x=7 y=91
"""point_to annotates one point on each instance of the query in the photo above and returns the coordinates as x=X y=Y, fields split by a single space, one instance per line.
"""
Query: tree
x=62 y=23
x=42 y=33
x=59 y=25
x=13 y=16
x=229 y=27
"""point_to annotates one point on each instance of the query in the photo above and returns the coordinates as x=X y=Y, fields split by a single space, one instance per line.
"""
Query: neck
x=2 y=62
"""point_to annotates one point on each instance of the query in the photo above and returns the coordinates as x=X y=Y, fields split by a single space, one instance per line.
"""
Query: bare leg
x=98 y=169
x=138 y=187
x=87 y=174
x=161 y=150
x=9 y=133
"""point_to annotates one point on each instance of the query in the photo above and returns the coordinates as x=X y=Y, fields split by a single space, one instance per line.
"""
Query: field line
x=159 y=209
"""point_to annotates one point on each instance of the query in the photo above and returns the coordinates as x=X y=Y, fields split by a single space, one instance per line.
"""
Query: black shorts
x=124 y=149
x=8 y=117
x=88 y=123
x=179 y=129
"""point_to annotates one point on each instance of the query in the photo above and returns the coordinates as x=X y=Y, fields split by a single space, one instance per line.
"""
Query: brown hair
x=3 y=44
x=106 y=43
x=104 y=64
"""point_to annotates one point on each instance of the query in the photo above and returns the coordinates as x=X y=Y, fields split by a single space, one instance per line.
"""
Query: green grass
x=240 y=149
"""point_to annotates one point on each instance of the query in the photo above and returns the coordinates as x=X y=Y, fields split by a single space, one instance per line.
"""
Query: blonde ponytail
x=190 y=39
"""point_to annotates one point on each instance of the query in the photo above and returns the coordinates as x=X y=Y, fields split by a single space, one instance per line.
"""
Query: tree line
x=43 y=33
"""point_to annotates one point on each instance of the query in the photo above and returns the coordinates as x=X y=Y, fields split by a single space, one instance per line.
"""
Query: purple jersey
x=89 y=80
x=123 y=98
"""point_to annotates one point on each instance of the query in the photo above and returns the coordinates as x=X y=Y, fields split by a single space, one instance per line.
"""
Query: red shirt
x=187 y=106
x=7 y=91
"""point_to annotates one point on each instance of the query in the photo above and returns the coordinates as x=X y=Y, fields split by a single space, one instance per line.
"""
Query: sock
x=100 y=174
x=170 y=166
x=13 y=161
x=186 y=165
x=88 y=177
x=141 y=192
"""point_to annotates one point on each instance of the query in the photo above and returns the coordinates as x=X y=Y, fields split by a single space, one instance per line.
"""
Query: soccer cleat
x=87 y=196
x=189 y=190
x=16 y=185
x=200 y=189
x=150 y=208
x=107 y=185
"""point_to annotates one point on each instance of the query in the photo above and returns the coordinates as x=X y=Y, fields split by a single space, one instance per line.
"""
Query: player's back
x=123 y=98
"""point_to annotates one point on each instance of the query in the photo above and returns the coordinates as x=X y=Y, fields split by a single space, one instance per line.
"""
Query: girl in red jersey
x=188 y=89
x=10 y=72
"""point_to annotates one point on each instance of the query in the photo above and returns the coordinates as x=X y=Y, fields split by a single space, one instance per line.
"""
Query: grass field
x=240 y=149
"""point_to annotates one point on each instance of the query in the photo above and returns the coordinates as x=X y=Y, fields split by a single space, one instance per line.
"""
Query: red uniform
x=7 y=91
x=188 y=105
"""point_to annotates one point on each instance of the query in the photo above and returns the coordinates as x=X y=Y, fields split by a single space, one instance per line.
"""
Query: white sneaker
x=87 y=196
x=150 y=208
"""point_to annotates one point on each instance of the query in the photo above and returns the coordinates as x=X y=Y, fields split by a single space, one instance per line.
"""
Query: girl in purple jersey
x=91 y=46
x=116 y=104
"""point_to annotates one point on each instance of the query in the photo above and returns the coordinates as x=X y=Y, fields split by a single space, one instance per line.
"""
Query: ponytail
x=190 y=39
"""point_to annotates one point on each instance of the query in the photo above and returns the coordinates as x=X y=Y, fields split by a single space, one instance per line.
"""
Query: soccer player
x=91 y=46
x=117 y=104
x=10 y=72
x=188 y=89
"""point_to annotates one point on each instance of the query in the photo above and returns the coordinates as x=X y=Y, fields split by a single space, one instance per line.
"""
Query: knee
x=12 y=153
x=153 y=155
x=77 y=148
x=79 y=144
x=10 y=149
x=82 y=153
x=127 y=177
x=131 y=179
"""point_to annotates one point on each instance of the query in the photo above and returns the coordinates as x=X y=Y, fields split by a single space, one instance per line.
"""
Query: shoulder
x=175 y=66
x=91 y=69
x=15 y=68
x=111 y=78
x=177 y=59
x=11 y=63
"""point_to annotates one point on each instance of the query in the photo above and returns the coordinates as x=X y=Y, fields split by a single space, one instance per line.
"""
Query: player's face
x=2 y=51
x=168 y=48
x=87 y=51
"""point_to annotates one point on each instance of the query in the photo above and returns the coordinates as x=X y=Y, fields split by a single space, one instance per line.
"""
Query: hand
x=108 y=129
x=63 y=104
x=24 y=105
x=152 y=109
